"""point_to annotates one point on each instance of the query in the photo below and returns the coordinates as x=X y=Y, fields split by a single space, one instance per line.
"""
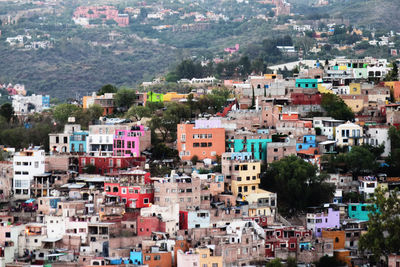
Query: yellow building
x=174 y=96
x=242 y=172
x=355 y=89
x=356 y=104
x=206 y=259
x=325 y=88
x=262 y=203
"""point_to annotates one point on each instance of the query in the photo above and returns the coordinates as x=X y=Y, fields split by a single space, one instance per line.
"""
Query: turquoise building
x=258 y=147
x=359 y=211
x=77 y=142
x=307 y=83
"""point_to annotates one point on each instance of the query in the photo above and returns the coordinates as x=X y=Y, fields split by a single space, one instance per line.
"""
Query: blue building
x=198 y=219
x=306 y=142
x=307 y=83
x=358 y=211
x=46 y=101
x=257 y=147
x=77 y=142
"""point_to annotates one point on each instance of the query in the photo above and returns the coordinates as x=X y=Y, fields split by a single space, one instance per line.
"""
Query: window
x=215 y=265
x=8 y=234
x=147 y=257
x=275 y=150
x=123 y=190
x=146 y=201
x=204 y=256
x=157 y=257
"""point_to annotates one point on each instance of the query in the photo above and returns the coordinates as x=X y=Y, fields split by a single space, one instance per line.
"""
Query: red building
x=286 y=239
x=305 y=99
x=112 y=164
x=146 y=225
x=183 y=220
x=134 y=188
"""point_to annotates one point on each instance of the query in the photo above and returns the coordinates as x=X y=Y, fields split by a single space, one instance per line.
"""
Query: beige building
x=349 y=134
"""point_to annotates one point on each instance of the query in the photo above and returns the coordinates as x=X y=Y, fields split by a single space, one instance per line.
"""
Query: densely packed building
x=92 y=199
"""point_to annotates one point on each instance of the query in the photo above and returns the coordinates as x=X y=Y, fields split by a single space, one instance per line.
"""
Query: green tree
x=108 y=88
x=7 y=111
x=383 y=235
x=394 y=158
x=336 y=108
x=327 y=261
x=274 y=263
x=291 y=262
x=63 y=111
x=138 y=112
x=124 y=98
x=297 y=184
x=393 y=74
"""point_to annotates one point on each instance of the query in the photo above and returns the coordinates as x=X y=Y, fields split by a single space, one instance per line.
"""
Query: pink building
x=232 y=50
x=103 y=12
x=127 y=142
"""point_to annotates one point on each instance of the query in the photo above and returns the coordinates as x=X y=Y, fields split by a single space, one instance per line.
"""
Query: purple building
x=324 y=218
x=127 y=142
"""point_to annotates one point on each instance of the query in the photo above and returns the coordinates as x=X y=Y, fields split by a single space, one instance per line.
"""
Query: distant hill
x=378 y=14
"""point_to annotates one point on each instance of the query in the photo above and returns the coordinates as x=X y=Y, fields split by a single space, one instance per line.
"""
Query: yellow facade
x=356 y=105
x=323 y=90
x=171 y=96
x=255 y=209
x=355 y=88
x=207 y=260
x=247 y=178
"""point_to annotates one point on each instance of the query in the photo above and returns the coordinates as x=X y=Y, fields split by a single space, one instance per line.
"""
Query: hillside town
x=114 y=192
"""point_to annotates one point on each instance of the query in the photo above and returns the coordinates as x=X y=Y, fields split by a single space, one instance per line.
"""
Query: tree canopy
x=108 y=88
x=336 y=108
x=297 y=185
x=124 y=98
x=383 y=235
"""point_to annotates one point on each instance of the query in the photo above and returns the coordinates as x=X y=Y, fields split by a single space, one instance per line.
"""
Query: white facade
x=378 y=135
x=55 y=226
x=27 y=164
x=327 y=126
x=349 y=134
x=27 y=104
x=367 y=186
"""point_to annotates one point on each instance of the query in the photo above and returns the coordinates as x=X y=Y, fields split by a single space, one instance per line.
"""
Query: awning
x=51 y=239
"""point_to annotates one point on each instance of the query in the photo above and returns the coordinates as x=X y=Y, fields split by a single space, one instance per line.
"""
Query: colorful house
x=242 y=173
x=204 y=139
x=155 y=97
x=77 y=142
x=258 y=147
x=359 y=211
x=127 y=142
x=307 y=83
x=306 y=142
x=133 y=188
x=323 y=219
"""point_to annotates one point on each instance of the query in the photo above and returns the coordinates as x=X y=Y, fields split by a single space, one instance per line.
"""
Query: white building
x=30 y=104
x=367 y=186
x=377 y=135
x=327 y=125
x=27 y=164
x=349 y=134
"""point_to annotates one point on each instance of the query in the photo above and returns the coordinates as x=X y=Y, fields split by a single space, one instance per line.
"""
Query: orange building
x=157 y=258
x=204 y=139
x=395 y=89
x=338 y=238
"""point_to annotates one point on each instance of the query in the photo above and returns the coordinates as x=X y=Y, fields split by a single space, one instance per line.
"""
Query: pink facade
x=127 y=142
x=104 y=12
